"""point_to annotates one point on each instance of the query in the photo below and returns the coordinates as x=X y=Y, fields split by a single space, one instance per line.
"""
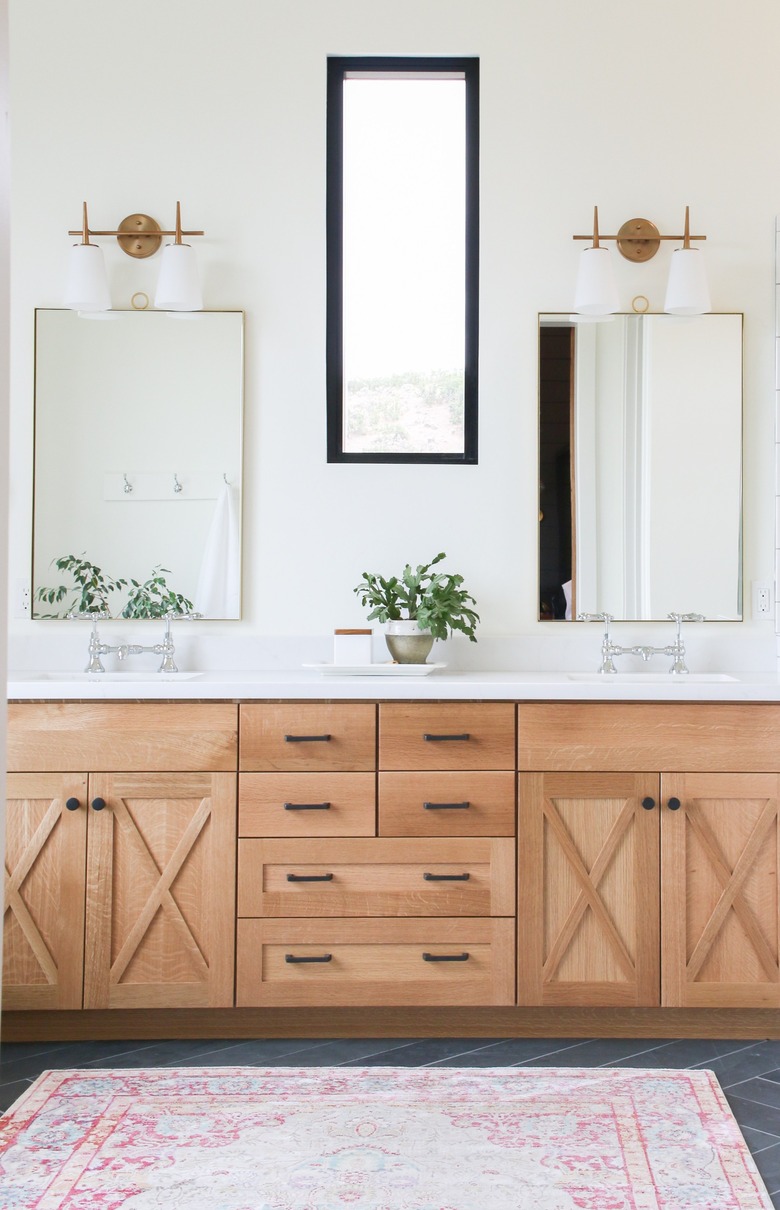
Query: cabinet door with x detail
x=43 y=951
x=720 y=844
x=160 y=890
x=587 y=909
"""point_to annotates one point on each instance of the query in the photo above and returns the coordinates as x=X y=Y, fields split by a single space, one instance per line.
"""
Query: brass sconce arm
x=638 y=239
x=139 y=235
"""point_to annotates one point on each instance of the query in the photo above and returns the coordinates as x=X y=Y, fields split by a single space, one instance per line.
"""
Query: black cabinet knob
x=72 y=804
x=648 y=803
x=98 y=804
x=674 y=804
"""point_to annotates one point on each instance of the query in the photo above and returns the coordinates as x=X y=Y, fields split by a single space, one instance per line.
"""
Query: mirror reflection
x=640 y=466
x=138 y=419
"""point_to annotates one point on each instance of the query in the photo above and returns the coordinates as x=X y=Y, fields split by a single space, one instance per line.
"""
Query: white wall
x=639 y=110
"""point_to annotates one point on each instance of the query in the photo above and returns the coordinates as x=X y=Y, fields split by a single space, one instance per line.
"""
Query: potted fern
x=419 y=606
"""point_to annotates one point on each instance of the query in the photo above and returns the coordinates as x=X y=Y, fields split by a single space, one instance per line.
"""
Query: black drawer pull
x=72 y=804
x=446 y=877
x=435 y=739
x=446 y=806
x=306 y=739
x=98 y=804
x=306 y=958
x=309 y=877
x=648 y=803
x=445 y=957
x=674 y=804
x=307 y=806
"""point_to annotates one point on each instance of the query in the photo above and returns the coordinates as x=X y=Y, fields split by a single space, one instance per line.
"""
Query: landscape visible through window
x=404 y=250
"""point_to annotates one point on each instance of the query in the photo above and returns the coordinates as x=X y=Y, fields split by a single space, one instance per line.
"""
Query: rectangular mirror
x=640 y=466
x=138 y=426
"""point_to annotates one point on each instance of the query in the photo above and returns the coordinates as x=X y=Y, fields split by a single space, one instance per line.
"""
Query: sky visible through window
x=404 y=264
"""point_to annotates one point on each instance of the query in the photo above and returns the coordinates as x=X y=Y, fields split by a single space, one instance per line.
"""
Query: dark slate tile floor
x=749 y=1072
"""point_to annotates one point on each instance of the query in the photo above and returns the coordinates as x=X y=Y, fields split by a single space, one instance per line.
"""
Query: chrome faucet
x=675 y=649
x=96 y=648
x=165 y=649
x=608 y=649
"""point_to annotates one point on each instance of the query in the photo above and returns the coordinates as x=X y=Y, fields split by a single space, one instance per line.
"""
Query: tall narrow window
x=403 y=215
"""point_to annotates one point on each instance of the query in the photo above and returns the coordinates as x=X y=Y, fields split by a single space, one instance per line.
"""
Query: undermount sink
x=651 y=678
x=98 y=677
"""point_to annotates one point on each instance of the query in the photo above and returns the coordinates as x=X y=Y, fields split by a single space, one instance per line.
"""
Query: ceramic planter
x=407 y=643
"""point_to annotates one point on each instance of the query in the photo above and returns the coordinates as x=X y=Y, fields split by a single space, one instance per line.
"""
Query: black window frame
x=338 y=67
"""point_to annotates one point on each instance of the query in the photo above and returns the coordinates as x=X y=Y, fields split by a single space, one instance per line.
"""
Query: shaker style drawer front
x=447 y=735
x=677 y=737
x=461 y=877
x=447 y=804
x=131 y=737
x=308 y=737
x=384 y=962
x=306 y=804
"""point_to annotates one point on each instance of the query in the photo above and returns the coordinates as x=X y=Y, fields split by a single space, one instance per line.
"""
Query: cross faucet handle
x=686 y=617
x=88 y=615
x=595 y=617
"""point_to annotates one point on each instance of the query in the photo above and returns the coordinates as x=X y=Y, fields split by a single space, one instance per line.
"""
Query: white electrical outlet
x=762 y=599
x=22 y=599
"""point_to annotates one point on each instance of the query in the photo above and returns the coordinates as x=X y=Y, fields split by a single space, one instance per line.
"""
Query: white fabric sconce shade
x=178 y=286
x=596 y=292
x=140 y=236
x=87 y=284
x=687 y=291
x=638 y=240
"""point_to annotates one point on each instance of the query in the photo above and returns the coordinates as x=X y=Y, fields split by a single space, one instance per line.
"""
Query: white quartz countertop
x=440 y=684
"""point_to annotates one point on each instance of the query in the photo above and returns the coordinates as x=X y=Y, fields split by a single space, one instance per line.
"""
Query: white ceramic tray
x=388 y=669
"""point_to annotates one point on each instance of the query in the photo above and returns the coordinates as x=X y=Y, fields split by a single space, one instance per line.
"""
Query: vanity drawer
x=308 y=737
x=377 y=877
x=447 y=804
x=129 y=737
x=696 y=737
x=447 y=735
x=361 y=962
x=306 y=804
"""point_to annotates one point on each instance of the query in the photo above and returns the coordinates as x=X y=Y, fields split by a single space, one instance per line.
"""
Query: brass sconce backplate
x=142 y=236
x=638 y=239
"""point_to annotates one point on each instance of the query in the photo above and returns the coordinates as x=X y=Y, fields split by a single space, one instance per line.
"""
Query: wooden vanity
x=392 y=868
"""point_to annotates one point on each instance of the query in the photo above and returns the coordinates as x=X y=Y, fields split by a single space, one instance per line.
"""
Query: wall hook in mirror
x=177 y=487
x=128 y=485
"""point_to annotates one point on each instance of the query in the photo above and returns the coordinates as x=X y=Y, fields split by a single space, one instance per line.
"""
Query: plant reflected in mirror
x=91 y=586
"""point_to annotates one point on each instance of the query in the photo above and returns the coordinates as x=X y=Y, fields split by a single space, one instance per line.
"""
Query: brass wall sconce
x=139 y=236
x=638 y=240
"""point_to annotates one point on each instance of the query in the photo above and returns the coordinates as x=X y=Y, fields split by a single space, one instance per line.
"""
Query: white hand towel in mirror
x=218 y=591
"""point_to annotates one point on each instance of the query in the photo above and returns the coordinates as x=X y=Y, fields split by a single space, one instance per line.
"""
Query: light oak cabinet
x=120 y=887
x=339 y=907
x=352 y=854
x=640 y=889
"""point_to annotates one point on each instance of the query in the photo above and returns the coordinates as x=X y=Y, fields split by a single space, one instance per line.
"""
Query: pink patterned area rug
x=376 y=1138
